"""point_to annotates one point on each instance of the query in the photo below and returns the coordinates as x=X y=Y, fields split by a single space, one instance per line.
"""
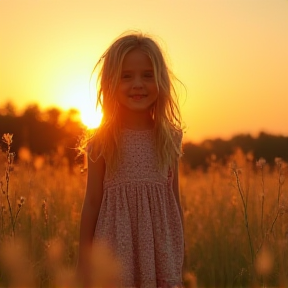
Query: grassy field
x=236 y=223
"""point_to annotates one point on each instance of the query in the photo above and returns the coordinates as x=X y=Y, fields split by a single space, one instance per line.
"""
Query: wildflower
x=261 y=162
x=250 y=157
x=7 y=138
x=278 y=161
x=233 y=165
x=20 y=202
x=235 y=169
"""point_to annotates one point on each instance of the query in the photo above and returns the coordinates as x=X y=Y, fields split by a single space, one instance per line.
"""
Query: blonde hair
x=165 y=112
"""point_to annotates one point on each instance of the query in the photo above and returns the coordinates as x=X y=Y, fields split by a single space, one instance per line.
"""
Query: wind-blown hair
x=165 y=112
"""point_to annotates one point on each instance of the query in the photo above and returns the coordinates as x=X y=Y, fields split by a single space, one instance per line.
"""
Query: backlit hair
x=165 y=112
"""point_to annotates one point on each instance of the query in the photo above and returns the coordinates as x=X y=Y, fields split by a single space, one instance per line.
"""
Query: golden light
x=77 y=94
x=91 y=117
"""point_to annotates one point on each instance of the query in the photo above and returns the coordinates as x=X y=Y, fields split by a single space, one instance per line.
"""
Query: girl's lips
x=137 y=96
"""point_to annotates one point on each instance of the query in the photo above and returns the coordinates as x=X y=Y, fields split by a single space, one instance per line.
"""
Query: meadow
x=236 y=222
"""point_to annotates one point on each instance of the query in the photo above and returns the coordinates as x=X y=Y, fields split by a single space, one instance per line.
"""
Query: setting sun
x=91 y=117
x=79 y=95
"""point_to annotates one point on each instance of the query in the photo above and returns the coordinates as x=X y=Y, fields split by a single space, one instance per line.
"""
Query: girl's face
x=137 y=90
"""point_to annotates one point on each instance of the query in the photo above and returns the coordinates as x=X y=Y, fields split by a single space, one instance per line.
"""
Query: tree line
x=50 y=131
x=265 y=146
x=47 y=132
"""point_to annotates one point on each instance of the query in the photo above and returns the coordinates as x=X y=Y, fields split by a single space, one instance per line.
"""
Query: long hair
x=165 y=112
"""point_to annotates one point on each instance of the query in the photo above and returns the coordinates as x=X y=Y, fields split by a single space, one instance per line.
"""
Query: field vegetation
x=236 y=221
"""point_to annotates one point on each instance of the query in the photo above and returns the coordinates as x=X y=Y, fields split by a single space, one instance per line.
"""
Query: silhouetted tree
x=245 y=141
x=269 y=147
x=8 y=109
x=52 y=132
x=194 y=156
x=52 y=116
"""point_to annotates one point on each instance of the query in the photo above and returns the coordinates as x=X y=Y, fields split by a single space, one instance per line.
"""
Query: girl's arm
x=176 y=190
x=89 y=216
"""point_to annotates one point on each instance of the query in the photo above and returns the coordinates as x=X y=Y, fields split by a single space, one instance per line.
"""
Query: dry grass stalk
x=5 y=188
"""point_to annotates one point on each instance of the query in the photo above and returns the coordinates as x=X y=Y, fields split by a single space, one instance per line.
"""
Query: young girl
x=132 y=198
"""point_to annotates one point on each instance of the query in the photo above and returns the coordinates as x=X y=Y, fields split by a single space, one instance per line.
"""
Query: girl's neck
x=137 y=121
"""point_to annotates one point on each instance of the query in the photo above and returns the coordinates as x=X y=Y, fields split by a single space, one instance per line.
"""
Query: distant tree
x=8 y=109
x=32 y=113
x=52 y=131
x=52 y=116
x=245 y=141
x=218 y=147
x=265 y=145
x=271 y=146
x=194 y=155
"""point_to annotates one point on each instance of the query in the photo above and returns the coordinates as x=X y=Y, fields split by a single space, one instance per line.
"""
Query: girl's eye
x=125 y=76
x=148 y=75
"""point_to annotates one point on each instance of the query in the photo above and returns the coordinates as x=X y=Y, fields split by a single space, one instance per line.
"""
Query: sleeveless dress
x=139 y=217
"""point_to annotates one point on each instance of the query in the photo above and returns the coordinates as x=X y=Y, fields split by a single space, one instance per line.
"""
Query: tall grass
x=46 y=230
x=9 y=226
x=236 y=223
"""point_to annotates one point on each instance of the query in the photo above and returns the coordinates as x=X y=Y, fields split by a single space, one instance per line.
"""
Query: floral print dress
x=139 y=217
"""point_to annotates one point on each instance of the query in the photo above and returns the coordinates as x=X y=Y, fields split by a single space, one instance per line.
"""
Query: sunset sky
x=232 y=55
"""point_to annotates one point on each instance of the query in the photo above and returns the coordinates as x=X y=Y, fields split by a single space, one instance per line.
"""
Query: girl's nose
x=137 y=83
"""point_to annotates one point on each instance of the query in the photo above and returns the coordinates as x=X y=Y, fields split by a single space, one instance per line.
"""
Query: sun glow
x=91 y=117
x=78 y=95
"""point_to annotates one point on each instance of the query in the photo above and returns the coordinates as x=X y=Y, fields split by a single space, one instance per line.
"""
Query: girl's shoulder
x=94 y=145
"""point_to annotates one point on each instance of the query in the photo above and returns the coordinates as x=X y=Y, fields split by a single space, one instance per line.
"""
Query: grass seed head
x=7 y=138
x=261 y=163
x=233 y=165
x=20 y=202
x=278 y=161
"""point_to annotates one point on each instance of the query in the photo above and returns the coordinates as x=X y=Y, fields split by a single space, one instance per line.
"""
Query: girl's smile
x=138 y=96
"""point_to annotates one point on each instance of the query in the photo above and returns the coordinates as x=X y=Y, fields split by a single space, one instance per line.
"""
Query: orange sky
x=232 y=56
